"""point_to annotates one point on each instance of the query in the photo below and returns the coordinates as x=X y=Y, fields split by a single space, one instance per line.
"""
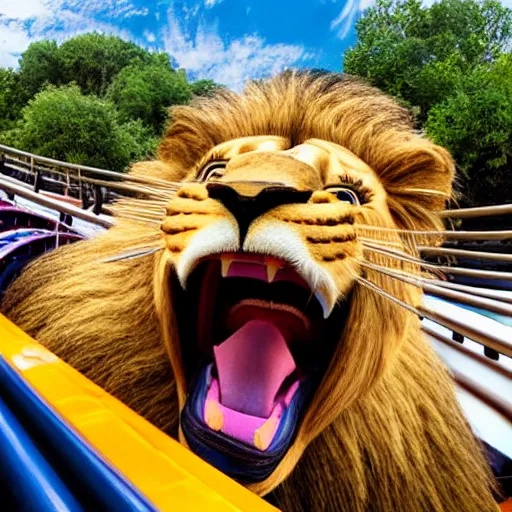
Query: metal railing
x=38 y=166
x=47 y=173
x=480 y=211
x=60 y=206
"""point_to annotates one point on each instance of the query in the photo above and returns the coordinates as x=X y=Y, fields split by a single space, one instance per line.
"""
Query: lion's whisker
x=448 y=234
x=156 y=216
x=397 y=244
x=152 y=180
x=142 y=208
x=153 y=222
x=498 y=295
x=445 y=252
x=149 y=192
x=372 y=286
x=133 y=254
x=495 y=340
x=162 y=186
x=458 y=296
x=404 y=257
x=161 y=201
x=134 y=176
x=472 y=272
x=153 y=207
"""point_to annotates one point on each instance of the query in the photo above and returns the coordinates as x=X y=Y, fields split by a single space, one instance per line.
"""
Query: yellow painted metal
x=169 y=475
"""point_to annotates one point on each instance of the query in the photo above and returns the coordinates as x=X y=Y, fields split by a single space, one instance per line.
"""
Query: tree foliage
x=95 y=100
x=448 y=64
x=475 y=124
x=204 y=87
x=11 y=98
x=93 y=60
x=146 y=91
x=62 y=123
x=40 y=64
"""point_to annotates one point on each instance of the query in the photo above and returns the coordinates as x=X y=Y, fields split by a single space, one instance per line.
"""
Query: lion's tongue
x=252 y=364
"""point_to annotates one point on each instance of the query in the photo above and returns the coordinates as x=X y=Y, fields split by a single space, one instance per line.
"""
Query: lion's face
x=271 y=326
x=262 y=241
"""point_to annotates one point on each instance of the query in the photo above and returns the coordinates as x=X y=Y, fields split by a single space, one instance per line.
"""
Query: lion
x=241 y=310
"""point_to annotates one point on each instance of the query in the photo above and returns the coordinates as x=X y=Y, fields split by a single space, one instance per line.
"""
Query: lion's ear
x=417 y=176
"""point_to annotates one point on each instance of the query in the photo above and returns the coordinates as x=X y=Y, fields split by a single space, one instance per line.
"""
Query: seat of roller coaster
x=67 y=445
x=35 y=441
x=67 y=473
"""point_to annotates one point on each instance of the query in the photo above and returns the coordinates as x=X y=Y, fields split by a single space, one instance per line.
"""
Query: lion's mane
x=405 y=445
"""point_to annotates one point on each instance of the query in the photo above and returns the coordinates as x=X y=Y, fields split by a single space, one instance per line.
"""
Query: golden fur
x=384 y=431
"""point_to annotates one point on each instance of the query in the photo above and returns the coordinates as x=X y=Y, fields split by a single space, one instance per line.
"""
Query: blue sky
x=226 y=40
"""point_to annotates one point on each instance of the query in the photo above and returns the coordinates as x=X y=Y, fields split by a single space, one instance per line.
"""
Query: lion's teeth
x=273 y=266
x=213 y=415
x=225 y=262
x=326 y=308
x=264 y=435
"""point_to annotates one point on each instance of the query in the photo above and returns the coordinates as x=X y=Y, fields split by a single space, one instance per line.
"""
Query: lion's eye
x=345 y=194
x=212 y=170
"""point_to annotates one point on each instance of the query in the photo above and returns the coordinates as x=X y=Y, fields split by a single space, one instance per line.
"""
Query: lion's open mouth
x=255 y=345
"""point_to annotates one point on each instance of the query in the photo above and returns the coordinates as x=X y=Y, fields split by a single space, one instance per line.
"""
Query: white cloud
x=129 y=13
x=231 y=64
x=13 y=40
x=150 y=37
x=197 y=47
x=345 y=20
x=23 y=9
x=211 y=3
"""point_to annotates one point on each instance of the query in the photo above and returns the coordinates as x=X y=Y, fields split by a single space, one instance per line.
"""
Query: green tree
x=138 y=139
x=146 y=91
x=450 y=64
x=420 y=54
x=475 y=124
x=204 y=87
x=62 y=123
x=12 y=98
x=93 y=60
x=40 y=64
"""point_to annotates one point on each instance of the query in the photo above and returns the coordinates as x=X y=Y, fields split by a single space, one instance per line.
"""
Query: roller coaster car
x=67 y=445
x=14 y=217
x=20 y=246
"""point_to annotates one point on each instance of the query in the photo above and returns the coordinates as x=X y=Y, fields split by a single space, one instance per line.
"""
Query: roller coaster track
x=84 y=187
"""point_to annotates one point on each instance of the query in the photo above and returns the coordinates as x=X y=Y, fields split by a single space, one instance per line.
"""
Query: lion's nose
x=247 y=200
